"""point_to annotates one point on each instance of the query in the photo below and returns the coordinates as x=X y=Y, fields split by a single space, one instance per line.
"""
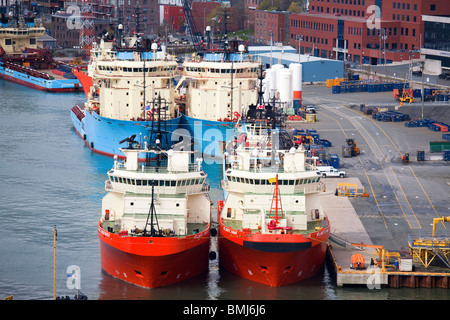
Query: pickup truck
x=330 y=172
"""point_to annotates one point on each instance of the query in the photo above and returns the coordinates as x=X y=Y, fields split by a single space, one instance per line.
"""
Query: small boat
x=154 y=229
x=22 y=62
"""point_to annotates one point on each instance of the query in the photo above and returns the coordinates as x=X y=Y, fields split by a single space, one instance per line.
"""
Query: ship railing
x=196 y=189
x=120 y=165
x=264 y=168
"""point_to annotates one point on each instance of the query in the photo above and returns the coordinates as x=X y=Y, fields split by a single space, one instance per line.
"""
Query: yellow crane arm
x=437 y=220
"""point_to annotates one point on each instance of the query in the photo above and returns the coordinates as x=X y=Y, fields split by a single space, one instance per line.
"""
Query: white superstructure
x=125 y=82
x=179 y=194
x=250 y=180
x=216 y=87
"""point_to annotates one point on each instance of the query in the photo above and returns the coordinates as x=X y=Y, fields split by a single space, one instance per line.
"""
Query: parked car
x=444 y=76
x=417 y=73
x=328 y=171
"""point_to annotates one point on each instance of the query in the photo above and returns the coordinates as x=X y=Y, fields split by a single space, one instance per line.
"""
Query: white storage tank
x=284 y=85
x=296 y=80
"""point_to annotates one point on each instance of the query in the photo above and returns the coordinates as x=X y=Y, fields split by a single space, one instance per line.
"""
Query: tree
x=296 y=7
x=279 y=5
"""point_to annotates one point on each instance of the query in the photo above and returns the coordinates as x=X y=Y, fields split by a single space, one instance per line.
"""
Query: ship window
x=263 y=181
x=144 y=182
x=257 y=181
x=291 y=182
x=8 y=42
x=188 y=182
x=32 y=40
x=167 y=183
x=138 y=182
x=173 y=183
x=120 y=180
x=183 y=183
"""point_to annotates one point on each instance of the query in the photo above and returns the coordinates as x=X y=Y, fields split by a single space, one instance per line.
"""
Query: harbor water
x=49 y=179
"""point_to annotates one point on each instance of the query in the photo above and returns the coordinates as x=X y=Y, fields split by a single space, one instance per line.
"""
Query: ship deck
x=237 y=225
x=193 y=228
x=54 y=75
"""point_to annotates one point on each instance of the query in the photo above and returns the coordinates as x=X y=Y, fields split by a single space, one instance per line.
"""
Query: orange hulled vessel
x=155 y=225
x=272 y=227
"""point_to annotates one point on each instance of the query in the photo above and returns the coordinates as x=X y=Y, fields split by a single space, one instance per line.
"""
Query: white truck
x=328 y=171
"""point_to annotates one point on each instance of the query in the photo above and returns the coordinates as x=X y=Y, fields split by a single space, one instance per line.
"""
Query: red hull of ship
x=85 y=80
x=153 y=262
x=34 y=86
x=272 y=259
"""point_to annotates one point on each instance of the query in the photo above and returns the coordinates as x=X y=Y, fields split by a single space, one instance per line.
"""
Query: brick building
x=363 y=31
x=271 y=26
x=250 y=11
x=67 y=37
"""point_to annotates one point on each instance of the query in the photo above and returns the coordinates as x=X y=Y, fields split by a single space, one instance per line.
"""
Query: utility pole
x=422 y=68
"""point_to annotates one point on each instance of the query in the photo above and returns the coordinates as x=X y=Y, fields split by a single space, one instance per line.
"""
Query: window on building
x=432 y=7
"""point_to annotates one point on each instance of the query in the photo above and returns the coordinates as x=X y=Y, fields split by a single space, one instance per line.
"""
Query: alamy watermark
x=73 y=277
x=374 y=20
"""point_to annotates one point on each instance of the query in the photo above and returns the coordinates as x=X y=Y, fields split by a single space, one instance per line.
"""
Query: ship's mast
x=151 y=215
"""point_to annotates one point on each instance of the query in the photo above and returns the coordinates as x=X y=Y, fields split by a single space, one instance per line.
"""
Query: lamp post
x=422 y=67
x=271 y=42
x=299 y=39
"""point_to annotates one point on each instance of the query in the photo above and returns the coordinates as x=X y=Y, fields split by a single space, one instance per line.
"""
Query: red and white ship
x=272 y=227
x=155 y=225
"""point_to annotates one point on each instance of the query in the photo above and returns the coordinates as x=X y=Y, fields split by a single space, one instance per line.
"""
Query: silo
x=296 y=80
x=284 y=85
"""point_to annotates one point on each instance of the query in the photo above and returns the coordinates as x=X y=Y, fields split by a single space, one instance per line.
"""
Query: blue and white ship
x=131 y=93
x=217 y=86
x=22 y=62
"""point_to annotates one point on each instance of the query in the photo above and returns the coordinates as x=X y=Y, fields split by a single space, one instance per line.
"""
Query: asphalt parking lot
x=403 y=199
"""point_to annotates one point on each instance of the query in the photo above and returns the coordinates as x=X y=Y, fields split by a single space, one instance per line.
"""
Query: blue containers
x=446 y=155
x=417 y=93
x=420 y=155
x=336 y=89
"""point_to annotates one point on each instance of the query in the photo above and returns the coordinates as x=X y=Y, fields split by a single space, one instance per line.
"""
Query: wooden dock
x=347 y=227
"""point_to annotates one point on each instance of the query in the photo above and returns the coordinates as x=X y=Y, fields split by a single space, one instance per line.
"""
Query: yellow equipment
x=349 y=190
x=381 y=256
x=350 y=149
x=426 y=249
x=406 y=97
x=437 y=220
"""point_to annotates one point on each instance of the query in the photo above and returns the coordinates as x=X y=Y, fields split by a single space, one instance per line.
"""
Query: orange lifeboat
x=358 y=261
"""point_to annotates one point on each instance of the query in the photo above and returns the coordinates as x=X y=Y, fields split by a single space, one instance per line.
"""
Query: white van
x=328 y=171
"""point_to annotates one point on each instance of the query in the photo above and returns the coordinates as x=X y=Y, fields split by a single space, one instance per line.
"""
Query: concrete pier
x=347 y=226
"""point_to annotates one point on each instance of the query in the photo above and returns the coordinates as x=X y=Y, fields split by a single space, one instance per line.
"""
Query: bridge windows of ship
x=281 y=182
x=158 y=183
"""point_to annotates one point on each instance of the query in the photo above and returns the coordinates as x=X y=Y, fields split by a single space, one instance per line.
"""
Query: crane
x=436 y=221
x=382 y=254
x=195 y=34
